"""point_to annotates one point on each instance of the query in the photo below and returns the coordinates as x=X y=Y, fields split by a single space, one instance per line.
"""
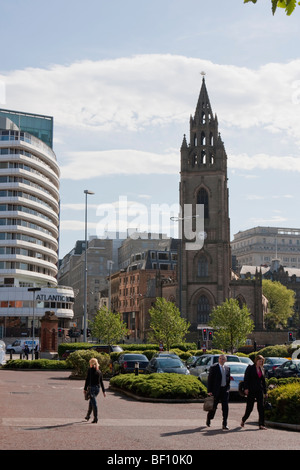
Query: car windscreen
x=170 y=362
x=135 y=357
x=237 y=368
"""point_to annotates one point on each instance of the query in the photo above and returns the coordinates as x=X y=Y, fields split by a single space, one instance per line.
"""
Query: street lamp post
x=33 y=290
x=86 y=192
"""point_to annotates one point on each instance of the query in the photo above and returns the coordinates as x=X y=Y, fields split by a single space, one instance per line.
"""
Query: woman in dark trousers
x=93 y=381
x=255 y=388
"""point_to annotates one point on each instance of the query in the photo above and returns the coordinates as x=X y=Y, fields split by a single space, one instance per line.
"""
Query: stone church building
x=205 y=275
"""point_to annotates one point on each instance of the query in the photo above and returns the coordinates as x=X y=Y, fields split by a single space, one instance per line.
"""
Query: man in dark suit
x=218 y=385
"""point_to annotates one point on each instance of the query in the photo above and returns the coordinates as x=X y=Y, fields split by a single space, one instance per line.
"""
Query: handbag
x=208 y=404
x=242 y=389
x=267 y=405
x=87 y=393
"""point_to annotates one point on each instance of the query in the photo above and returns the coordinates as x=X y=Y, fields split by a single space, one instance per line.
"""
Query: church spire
x=203 y=111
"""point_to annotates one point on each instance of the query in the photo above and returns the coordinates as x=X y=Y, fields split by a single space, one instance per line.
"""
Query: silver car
x=237 y=372
x=204 y=362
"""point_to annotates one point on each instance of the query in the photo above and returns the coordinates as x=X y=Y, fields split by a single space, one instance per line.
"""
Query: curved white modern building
x=29 y=220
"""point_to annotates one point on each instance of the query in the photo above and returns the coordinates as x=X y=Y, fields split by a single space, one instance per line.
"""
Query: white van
x=19 y=344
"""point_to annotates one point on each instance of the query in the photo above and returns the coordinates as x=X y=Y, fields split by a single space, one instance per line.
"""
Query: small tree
x=166 y=323
x=108 y=326
x=231 y=324
x=281 y=303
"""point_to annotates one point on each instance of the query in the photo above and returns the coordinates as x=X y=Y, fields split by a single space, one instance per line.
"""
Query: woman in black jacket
x=255 y=388
x=93 y=382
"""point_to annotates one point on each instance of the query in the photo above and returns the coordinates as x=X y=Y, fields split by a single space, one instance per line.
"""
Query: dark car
x=128 y=362
x=289 y=368
x=166 y=364
x=166 y=354
x=102 y=348
x=271 y=363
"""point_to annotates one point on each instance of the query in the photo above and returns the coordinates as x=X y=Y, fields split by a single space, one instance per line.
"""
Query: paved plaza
x=44 y=410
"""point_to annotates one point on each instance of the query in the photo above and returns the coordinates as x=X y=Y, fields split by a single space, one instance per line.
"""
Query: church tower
x=204 y=277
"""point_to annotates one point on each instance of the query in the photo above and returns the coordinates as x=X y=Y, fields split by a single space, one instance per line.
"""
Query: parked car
x=102 y=348
x=245 y=360
x=166 y=354
x=191 y=361
x=2 y=352
x=289 y=368
x=271 y=363
x=19 y=344
x=166 y=364
x=237 y=372
x=204 y=362
x=126 y=363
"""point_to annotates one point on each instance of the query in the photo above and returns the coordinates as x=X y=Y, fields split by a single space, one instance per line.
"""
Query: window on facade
x=202 y=267
x=202 y=198
x=203 y=310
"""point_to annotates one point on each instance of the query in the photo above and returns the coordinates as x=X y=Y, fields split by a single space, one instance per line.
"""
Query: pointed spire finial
x=203 y=74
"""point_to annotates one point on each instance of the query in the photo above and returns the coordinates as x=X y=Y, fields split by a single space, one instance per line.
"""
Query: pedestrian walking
x=218 y=386
x=255 y=389
x=92 y=385
x=26 y=351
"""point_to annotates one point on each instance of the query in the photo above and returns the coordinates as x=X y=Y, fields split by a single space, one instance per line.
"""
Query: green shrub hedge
x=161 y=385
x=78 y=361
x=49 y=364
x=285 y=401
x=273 y=351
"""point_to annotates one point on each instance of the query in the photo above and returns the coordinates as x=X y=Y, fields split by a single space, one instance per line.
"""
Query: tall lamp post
x=86 y=192
x=33 y=290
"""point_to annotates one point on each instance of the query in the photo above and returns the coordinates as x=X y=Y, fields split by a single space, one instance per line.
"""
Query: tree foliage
x=288 y=5
x=231 y=325
x=166 y=323
x=281 y=304
x=108 y=326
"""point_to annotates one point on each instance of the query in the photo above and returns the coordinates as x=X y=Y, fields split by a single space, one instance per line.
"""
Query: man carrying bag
x=218 y=386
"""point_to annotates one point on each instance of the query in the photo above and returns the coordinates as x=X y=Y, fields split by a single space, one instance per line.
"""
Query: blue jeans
x=94 y=390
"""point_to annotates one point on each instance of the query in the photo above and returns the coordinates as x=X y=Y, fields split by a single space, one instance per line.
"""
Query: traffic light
x=291 y=338
x=204 y=334
x=210 y=335
x=60 y=332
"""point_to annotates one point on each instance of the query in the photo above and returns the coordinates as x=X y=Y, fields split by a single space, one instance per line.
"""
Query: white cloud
x=150 y=90
x=121 y=161
x=123 y=97
x=264 y=162
x=273 y=221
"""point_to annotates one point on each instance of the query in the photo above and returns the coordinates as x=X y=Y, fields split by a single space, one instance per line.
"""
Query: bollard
x=136 y=368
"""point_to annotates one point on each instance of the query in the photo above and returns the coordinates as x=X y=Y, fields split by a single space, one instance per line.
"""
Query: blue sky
x=121 y=79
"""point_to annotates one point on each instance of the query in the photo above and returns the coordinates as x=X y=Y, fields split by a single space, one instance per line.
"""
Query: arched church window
x=203 y=310
x=202 y=198
x=202 y=266
x=203 y=139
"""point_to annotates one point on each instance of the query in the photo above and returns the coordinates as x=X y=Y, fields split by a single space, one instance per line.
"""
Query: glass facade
x=29 y=221
x=35 y=124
